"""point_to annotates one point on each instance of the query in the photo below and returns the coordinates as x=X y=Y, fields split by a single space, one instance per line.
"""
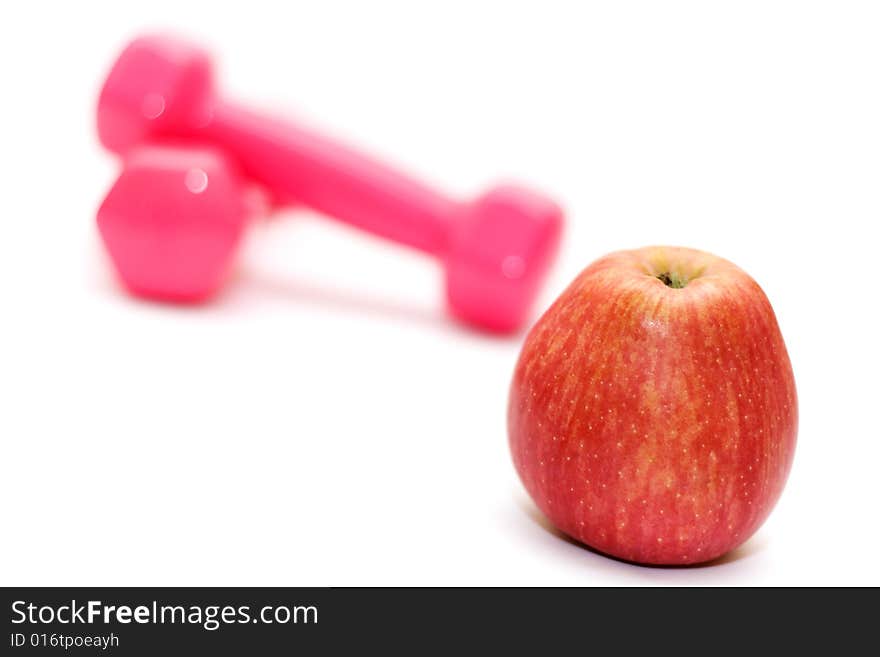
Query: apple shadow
x=748 y=549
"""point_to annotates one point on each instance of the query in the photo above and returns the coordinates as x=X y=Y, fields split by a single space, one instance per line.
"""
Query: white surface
x=323 y=423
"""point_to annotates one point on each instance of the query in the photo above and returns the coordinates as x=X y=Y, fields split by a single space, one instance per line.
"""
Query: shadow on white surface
x=339 y=300
x=246 y=287
x=583 y=556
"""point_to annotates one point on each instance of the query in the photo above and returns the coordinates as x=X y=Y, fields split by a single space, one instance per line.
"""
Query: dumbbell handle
x=300 y=165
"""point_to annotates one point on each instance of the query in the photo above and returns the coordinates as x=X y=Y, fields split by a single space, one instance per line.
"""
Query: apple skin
x=655 y=424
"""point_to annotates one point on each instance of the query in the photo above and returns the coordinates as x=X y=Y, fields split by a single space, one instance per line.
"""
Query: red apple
x=653 y=412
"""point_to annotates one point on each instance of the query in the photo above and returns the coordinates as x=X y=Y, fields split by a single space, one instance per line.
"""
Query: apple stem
x=673 y=279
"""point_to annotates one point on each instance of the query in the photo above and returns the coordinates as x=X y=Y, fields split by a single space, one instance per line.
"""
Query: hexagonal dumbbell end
x=172 y=221
x=499 y=254
x=158 y=86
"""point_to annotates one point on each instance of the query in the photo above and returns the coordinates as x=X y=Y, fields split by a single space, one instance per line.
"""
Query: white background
x=322 y=422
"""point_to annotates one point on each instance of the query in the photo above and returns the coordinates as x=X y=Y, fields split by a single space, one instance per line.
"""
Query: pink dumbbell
x=174 y=218
x=496 y=250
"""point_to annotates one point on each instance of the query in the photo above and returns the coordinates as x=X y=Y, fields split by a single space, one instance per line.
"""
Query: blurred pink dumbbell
x=496 y=250
x=174 y=218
